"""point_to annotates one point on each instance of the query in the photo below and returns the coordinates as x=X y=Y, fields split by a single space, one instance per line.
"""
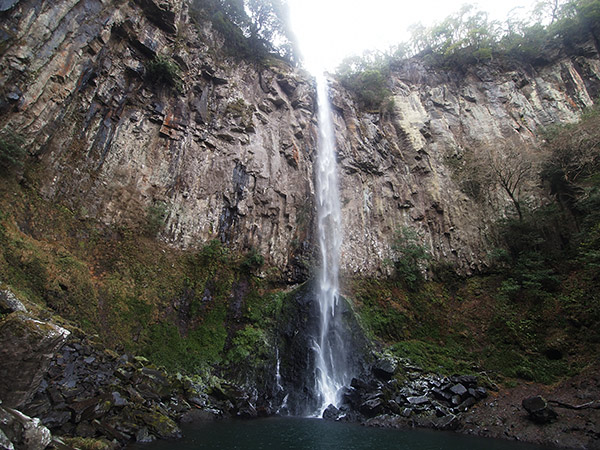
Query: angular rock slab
x=26 y=347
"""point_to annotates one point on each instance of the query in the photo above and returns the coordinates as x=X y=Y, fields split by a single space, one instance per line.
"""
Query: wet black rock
x=385 y=368
x=331 y=413
x=372 y=408
x=423 y=399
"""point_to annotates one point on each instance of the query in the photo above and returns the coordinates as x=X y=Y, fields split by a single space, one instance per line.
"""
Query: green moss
x=249 y=346
x=472 y=326
x=134 y=292
x=446 y=358
x=87 y=443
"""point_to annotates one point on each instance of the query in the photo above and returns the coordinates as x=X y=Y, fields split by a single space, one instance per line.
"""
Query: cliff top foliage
x=469 y=37
x=254 y=29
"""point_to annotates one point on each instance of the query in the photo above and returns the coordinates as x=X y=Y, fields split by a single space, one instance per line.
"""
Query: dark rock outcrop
x=425 y=400
x=538 y=409
x=299 y=330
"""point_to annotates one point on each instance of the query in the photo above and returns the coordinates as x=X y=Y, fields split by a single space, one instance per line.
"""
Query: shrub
x=410 y=257
x=163 y=70
x=252 y=261
x=156 y=216
x=12 y=152
x=367 y=78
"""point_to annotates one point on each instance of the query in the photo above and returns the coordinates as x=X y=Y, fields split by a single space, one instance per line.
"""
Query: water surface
x=317 y=434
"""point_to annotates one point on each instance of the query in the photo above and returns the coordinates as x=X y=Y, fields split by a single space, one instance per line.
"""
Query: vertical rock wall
x=399 y=168
x=228 y=152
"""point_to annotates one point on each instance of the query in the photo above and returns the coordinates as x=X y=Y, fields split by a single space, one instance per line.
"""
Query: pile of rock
x=90 y=392
x=429 y=400
x=60 y=381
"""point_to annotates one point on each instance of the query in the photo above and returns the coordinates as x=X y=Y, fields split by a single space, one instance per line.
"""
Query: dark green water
x=315 y=434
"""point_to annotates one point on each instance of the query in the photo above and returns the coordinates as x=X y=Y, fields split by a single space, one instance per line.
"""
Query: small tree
x=409 y=257
x=506 y=166
x=163 y=70
x=12 y=151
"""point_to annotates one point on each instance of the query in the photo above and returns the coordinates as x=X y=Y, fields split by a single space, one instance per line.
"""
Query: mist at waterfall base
x=313 y=434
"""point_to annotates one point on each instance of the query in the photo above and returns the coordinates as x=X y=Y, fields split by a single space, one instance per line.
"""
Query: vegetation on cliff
x=469 y=37
x=181 y=309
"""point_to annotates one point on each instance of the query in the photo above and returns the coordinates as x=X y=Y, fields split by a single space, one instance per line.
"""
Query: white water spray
x=331 y=373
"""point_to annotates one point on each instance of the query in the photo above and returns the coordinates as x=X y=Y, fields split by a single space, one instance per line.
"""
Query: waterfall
x=330 y=354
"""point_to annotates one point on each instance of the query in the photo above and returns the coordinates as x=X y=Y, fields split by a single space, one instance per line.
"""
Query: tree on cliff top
x=252 y=28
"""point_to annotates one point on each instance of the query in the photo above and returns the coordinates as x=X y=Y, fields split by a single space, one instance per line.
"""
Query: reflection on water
x=316 y=434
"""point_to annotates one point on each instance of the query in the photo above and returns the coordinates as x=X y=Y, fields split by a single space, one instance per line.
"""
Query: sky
x=329 y=30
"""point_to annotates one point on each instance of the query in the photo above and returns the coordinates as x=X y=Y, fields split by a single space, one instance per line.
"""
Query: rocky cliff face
x=400 y=169
x=227 y=152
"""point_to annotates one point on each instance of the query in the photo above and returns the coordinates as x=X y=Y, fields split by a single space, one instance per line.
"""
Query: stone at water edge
x=538 y=409
x=372 y=408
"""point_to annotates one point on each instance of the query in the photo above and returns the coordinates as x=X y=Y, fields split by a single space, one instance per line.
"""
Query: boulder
x=470 y=401
x=10 y=303
x=26 y=348
x=385 y=368
x=372 y=408
x=458 y=389
x=331 y=413
x=418 y=400
x=538 y=409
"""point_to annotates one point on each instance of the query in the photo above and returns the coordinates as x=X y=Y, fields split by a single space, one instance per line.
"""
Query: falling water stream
x=330 y=354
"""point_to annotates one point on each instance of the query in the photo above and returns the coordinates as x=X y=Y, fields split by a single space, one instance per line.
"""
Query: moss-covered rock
x=158 y=422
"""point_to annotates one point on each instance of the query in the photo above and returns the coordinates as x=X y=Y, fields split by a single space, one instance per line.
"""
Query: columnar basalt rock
x=228 y=146
x=228 y=151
